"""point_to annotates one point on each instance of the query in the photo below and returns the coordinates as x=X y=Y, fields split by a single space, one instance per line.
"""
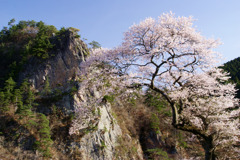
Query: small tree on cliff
x=170 y=57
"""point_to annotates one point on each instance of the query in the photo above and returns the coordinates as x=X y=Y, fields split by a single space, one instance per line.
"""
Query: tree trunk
x=209 y=155
x=209 y=150
x=207 y=141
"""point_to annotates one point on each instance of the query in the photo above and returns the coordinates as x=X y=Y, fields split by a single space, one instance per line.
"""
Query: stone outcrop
x=101 y=143
x=61 y=67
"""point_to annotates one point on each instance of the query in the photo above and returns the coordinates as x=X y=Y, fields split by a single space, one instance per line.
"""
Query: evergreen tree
x=10 y=23
x=44 y=143
x=24 y=86
x=2 y=99
x=46 y=89
x=94 y=45
x=17 y=96
x=27 y=99
x=42 y=42
x=24 y=110
x=9 y=88
x=30 y=97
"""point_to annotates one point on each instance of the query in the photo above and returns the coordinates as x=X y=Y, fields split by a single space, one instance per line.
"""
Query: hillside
x=233 y=68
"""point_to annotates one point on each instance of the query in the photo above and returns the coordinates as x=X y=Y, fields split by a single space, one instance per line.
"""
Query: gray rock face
x=60 y=68
x=101 y=133
x=100 y=144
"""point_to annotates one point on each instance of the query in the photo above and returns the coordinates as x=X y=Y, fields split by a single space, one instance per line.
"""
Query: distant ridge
x=233 y=67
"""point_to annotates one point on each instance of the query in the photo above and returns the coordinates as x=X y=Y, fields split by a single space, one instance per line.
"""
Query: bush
x=157 y=102
x=155 y=122
x=109 y=98
x=158 y=152
x=73 y=90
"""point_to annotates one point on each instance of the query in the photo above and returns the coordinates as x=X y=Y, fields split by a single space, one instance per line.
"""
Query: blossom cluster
x=210 y=105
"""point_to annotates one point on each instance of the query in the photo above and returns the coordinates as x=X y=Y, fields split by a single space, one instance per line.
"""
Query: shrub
x=155 y=122
x=73 y=90
x=158 y=152
x=109 y=98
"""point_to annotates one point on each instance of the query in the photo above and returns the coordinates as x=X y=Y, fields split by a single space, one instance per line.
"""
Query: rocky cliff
x=62 y=66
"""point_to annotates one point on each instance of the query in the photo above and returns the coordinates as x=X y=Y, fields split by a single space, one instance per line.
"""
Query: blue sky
x=106 y=20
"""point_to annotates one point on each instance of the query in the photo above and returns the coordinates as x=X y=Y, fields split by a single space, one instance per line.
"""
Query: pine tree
x=2 y=99
x=45 y=142
x=46 y=89
x=9 y=89
x=17 y=96
x=24 y=86
x=30 y=97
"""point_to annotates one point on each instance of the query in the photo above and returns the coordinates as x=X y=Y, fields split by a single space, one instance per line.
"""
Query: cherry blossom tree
x=170 y=57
